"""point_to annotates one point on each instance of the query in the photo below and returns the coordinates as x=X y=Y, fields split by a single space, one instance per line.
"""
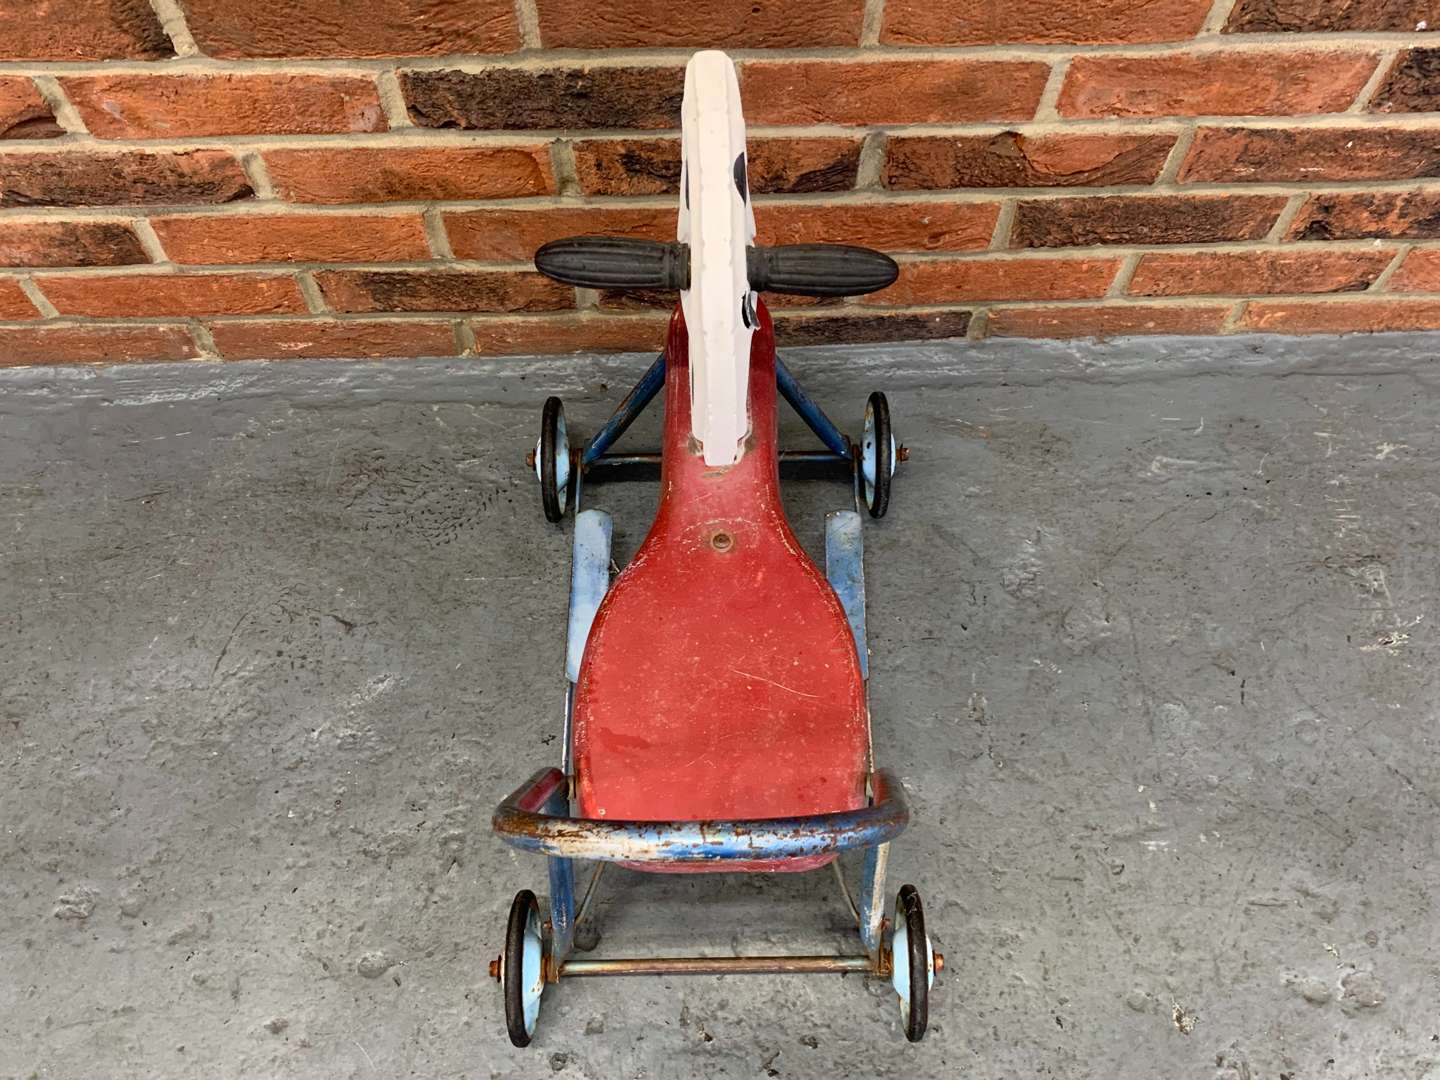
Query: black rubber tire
x=909 y=908
x=877 y=498
x=513 y=965
x=551 y=497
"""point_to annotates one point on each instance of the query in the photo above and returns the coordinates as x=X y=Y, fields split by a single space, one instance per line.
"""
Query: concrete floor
x=1154 y=632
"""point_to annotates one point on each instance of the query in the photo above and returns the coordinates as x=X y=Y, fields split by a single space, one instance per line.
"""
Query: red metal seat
x=720 y=678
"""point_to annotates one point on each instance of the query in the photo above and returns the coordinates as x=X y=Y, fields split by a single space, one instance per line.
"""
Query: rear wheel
x=912 y=962
x=522 y=969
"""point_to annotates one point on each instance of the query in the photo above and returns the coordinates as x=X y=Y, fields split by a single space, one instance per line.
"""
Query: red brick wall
x=272 y=178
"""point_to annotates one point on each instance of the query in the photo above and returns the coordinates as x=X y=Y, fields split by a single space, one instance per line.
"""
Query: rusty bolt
x=722 y=541
x=939 y=962
x=495 y=969
x=902 y=453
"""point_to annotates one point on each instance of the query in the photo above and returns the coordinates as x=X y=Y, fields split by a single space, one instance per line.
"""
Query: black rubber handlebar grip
x=604 y=262
x=820 y=270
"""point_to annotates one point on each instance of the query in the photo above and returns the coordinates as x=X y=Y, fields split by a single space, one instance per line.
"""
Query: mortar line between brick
x=1231 y=322
x=165 y=267
x=562 y=164
x=204 y=340
x=979 y=324
x=871 y=166
x=657 y=317
x=149 y=240
x=1000 y=236
x=310 y=291
x=1285 y=219
x=871 y=23
x=527 y=17
x=199 y=65
x=436 y=235
x=465 y=344
x=1123 y=275
x=172 y=21
x=39 y=299
x=1381 y=284
x=1215 y=21
x=1372 y=84
x=258 y=175
x=392 y=101
x=1045 y=109
x=1176 y=157
x=587 y=299
x=66 y=115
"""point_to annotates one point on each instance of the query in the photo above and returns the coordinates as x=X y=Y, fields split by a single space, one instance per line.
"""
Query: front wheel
x=552 y=460
x=877 y=455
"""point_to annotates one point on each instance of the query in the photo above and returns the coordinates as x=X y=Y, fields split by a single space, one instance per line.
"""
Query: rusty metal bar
x=522 y=821
x=718 y=965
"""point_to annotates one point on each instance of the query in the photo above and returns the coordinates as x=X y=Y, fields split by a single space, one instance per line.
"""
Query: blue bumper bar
x=521 y=821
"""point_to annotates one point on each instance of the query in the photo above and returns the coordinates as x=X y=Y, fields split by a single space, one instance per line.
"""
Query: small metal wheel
x=522 y=970
x=877 y=455
x=552 y=460
x=912 y=963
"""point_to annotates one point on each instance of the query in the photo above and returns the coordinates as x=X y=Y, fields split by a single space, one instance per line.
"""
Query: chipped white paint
x=1385 y=449
x=716 y=220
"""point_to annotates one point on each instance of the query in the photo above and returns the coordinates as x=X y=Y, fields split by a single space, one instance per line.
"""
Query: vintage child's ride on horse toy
x=716 y=713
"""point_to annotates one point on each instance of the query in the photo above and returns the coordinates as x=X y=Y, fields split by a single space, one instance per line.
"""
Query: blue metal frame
x=625 y=413
x=562 y=887
x=814 y=416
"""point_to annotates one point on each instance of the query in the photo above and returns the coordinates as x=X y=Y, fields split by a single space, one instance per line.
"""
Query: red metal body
x=720 y=678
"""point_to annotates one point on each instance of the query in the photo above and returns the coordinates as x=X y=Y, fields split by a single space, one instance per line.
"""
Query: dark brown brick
x=854 y=92
x=1116 y=320
x=861 y=328
x=326 y=339
x=666 y=299
x=562 y=97
x=23 y=112
x=1413 y=84
x=82 y=30
x=708 y=24
x=1010 y=159
x=95 y=344
x=1311 y=16
x=1356 y=215
x=1230 y=155
x=133 y=178
x=445 y=290
x=1050 y=22
x=248 y=28
x=776 y=166
x=1144 y=219
x=1248 y=273
x=69 y=243
x=1341 y=316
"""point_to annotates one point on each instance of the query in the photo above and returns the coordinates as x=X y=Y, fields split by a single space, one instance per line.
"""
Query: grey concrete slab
x=1154 y=635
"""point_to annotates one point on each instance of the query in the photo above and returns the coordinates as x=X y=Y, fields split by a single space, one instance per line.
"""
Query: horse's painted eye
x=740 y=183
x=747 y=311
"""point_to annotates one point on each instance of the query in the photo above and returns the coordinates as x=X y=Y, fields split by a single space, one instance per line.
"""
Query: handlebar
x=602 y=262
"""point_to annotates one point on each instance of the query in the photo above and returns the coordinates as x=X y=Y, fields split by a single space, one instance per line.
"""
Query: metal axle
x=718 y=965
